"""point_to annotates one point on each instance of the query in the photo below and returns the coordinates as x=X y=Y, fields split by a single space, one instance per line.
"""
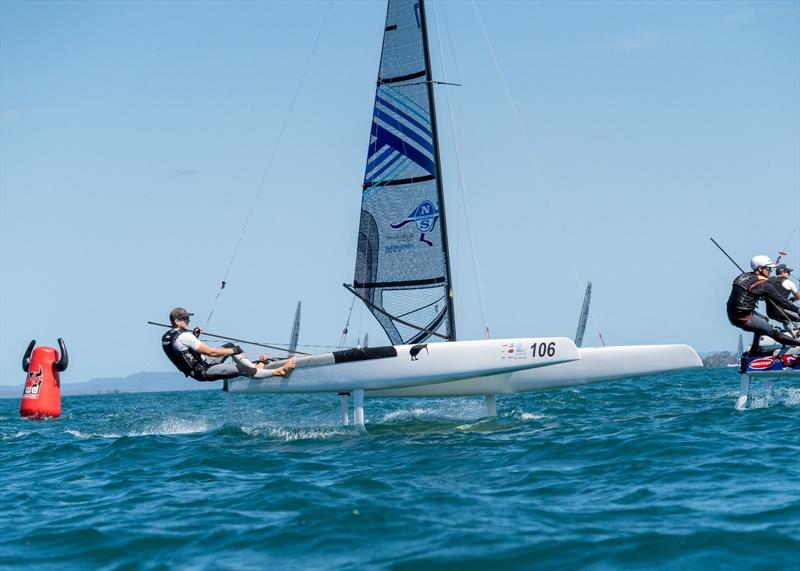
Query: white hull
x=427 y=365
x=595 y=365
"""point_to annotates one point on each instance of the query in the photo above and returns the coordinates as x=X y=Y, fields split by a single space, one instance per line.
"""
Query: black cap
x=179 y=313
x=783 y=268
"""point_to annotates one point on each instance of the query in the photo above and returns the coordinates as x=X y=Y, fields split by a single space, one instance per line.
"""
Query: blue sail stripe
x=386 y=137
x=379 y=159
x=425 y=128
x=404 y=101
x=399 y=167
x=402 y=164
x=388 y=165
x=426 y=144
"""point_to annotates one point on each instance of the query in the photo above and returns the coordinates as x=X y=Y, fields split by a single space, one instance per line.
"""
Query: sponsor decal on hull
x=761 y=364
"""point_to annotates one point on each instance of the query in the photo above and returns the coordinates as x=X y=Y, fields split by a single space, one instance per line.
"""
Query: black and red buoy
x=41 y=397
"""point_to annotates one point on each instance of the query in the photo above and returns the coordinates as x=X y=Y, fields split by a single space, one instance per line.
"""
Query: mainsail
x=402 y=268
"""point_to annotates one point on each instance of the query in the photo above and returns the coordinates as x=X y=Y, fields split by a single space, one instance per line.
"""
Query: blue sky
x=133 y=136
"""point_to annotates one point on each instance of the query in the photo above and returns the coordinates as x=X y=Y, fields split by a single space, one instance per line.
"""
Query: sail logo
x=424 y=216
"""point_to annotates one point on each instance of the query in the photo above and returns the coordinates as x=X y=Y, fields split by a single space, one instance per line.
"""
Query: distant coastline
x=145 y=382
x=719 y=359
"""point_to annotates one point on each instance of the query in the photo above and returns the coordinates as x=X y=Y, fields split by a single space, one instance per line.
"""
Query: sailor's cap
x=179 y=313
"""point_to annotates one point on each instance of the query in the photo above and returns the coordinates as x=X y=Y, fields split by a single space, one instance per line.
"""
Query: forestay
x=402 y=268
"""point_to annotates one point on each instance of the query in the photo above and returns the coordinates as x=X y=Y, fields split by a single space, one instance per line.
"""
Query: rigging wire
x=347 y=325
x=531 y=154
x=486 y=330
x=790 y=238
x=268 y=165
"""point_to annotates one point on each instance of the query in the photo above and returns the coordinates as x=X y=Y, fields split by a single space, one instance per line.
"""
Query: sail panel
x=401 y=263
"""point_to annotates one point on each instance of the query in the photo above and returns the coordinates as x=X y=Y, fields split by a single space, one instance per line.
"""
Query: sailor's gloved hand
x=236 y=349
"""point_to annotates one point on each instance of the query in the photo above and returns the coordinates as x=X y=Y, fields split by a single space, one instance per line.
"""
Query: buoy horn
x=63 y=360
x=26 y=359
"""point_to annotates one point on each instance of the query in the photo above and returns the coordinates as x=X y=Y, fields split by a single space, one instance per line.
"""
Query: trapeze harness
x=192 y=364
x=188 y=362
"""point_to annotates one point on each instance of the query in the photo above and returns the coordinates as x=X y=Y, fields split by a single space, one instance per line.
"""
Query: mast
x=451 y=315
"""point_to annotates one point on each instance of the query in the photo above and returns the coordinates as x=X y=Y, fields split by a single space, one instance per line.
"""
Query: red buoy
x=41 y=397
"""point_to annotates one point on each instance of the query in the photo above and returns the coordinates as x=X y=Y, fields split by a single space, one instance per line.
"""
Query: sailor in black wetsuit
x=195 y=359
x=786 y=287
x=748 y=289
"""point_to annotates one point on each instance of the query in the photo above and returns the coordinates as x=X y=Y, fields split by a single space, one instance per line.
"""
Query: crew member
x=781 y=279
x=747 y=290
x=784 y=285
x=203 y=363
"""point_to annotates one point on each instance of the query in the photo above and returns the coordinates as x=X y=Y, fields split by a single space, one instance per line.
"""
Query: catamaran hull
x=405 y=366
x=594 y=366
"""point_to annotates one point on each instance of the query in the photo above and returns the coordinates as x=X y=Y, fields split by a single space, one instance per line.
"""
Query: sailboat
x=403 y=270
x=587 y=300
x=295 y=334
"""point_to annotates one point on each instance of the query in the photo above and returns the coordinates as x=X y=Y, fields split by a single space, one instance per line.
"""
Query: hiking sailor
x=786 y=287
x=195 y=359
x=748 y=289
x=781 y=279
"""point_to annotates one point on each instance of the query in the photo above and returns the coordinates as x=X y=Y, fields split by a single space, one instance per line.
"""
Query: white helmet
x=761 y=261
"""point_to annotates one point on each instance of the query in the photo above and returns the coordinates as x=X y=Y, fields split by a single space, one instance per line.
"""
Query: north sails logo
x=424 y=216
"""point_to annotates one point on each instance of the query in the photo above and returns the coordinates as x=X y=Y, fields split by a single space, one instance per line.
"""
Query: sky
x=608 y=143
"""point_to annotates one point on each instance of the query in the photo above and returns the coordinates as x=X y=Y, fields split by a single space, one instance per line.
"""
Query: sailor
x=195 y=359
x=748 y=289
x=785 y=286
x=781 y=279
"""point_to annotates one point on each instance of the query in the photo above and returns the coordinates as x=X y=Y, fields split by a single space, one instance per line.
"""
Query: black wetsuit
x=787 y=314
x=748 y=289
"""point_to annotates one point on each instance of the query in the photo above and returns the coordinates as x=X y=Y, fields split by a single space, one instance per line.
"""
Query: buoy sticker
x=33 y=383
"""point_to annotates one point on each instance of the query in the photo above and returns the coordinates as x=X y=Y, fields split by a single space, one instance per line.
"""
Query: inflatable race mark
x=41 y=397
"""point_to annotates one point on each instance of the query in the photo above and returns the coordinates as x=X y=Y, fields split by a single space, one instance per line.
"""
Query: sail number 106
x=544 y=349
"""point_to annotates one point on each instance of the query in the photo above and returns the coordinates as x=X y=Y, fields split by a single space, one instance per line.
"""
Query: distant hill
x=719 y=359
x=136 y=383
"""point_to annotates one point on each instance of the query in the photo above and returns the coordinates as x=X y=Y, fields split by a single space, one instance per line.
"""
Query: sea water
x=657 y=472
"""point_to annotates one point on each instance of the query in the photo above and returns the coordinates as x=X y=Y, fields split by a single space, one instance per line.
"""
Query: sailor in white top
x=783 y=280
x=203 y=363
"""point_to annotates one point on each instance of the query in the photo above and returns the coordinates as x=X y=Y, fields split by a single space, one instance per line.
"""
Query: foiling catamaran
x=402 y=271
